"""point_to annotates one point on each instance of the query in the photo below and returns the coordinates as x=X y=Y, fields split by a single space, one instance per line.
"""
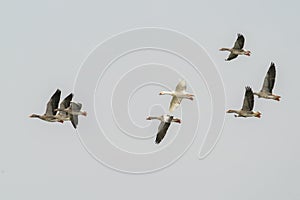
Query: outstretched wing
x=164 y=126
x=239 y=43
x=53 y=103
x=269 y=81
x=65 y=104
x=248 y=100
x=175 y=102
x=181 y=86
x=74 y=120
x=231 y=56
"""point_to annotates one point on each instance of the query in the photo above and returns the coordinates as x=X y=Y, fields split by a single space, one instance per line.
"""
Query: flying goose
x=73 y=111
x=179 y=94
x=165 y=123
x=248 y=104
x=50 y=114
x=268 y=85
x=237 y=48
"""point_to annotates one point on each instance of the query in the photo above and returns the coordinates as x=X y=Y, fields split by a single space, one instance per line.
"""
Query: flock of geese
x=69 y=111
x=248 y=104
x=268 y=84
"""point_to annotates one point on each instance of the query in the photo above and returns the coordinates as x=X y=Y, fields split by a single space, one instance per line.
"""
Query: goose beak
x=161 y=93
x=148 y=118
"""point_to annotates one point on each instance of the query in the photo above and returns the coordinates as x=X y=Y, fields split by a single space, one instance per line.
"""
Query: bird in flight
x=247 y=109
x=50 y=114
x=165 y=122
x=268 y=85
x=237 y=48
x=179 y=94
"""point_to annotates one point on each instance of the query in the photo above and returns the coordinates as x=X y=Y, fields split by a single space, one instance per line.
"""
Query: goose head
x=34 y=116
x=166 y=93
x=232 y=111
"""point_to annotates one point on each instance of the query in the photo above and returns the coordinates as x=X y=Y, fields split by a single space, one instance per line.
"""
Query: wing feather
x=248 y=100
x=239 y=43
x=181 y=86
x=231 y=56
x=163 y=130
x=175 y=102
x=53 y=103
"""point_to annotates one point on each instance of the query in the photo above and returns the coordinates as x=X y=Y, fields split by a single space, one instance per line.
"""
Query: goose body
x=50 y=114
x=247 y=108
x=237 y=49
x=177 y=95
x=165 y=122
x=268 y=85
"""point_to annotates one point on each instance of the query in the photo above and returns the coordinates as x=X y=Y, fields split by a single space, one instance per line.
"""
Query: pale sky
x=43 y=46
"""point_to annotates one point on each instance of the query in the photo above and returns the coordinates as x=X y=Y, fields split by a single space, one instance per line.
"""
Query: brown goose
x=179 y=94
x=237 y=48
x=165 y=123
x=73 y=111
x=268 y=85
x=50 y=114
x=248 y=104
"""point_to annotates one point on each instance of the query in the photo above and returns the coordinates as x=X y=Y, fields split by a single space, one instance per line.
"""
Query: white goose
x=268 y=85
x=164 y=125
x=247 y=108
x=50 y=114
x=237 y=48
x=179 y=94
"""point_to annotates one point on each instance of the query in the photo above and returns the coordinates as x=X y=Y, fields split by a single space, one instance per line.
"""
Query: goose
x=165 y=123
x=248 y=104
x=179 y=94
x=73 y=111
x=62 y=106
x=237 y=48
x=50 y=114
x=268 y=85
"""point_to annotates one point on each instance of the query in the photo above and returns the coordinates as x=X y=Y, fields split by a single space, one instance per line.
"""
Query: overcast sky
x=43 y=46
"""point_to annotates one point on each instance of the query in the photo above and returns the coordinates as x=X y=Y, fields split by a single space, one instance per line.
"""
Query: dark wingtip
x=248 y=88
x=272 y=64
x=157 y=141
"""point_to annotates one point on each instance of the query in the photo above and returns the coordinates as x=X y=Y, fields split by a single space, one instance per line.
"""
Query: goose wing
x=175 y=102
x=231 y=56
x=181 y=86
x=74 y=120
x=76 y=107
x=239 y=43
x=164 y=126
x=269 y=81
x=53 y=103
x=65 y=104
x=248 y=100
